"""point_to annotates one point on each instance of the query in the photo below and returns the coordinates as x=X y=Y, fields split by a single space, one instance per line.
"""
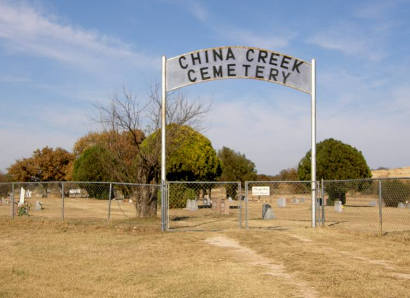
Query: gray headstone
x=373 y=203
x=295 y=201
x=401 y=205
x=281 y=202
x=264 y=208
x=38 y=206
x=301 y=200
x=267 y=212
x=191 y=205
x=338 y=206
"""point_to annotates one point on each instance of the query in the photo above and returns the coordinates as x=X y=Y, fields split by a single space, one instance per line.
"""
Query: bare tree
x=136 y=118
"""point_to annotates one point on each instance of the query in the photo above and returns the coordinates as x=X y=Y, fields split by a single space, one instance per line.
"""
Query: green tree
x=336 y=161
x=94 y=164
x=190 y=157
x=235 y=167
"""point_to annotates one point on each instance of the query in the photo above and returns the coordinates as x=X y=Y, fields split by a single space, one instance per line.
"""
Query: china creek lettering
x=256 y=63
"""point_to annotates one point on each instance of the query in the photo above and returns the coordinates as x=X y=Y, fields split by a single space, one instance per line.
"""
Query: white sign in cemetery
x=236 y=62
x=260 y=190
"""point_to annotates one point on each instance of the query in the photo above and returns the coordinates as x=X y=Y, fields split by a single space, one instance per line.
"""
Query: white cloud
x=369 y=31
x=353 y=40
x=198 y=10
x=247 y=37
x=375 y=10
x=8 y=78
x=272 y=136
x=236 y=35
x=276 y=134
x=23 y=29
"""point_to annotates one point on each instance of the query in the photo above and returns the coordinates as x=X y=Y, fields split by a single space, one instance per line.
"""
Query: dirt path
x=392 y=270
x=251 y=257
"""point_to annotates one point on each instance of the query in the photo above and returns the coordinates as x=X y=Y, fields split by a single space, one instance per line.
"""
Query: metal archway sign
x=238 y=62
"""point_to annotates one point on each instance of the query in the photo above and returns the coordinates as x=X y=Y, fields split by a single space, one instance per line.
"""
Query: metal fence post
x=317 y=205
x=240 y=204
x=246 y=205
x=380 y=209
x=62 y=197
x=163 y=206
x=323 y=203
x=167 y=207
x=12 y=201
x=109 y=203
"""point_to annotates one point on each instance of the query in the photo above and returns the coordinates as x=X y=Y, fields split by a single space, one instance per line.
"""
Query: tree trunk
x=146 y=205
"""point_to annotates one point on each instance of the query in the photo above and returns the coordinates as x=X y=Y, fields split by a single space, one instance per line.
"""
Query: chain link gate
x=280 y=204
x=375 y=206
x=208 y=205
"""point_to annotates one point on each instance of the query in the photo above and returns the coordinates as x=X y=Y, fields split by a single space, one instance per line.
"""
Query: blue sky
x=59 y=58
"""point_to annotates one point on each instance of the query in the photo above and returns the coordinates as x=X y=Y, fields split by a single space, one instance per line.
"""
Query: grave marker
x=281 y=202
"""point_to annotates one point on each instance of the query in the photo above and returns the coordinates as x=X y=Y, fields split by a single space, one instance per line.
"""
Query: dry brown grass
x=398 y=172
x=42 y=257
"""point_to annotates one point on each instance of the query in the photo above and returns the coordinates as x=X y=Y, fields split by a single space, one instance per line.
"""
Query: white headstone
x=281 y=202
x=267 y=212
x=338 y=206
x=22 y=196
x=373 y=203
x=229 y=199
x=38 y=206
x=191 y=205
x=401 y=205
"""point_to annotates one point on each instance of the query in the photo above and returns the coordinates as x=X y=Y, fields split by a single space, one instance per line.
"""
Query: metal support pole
x=323 y=203
x=163 y=139
x=313 y=130
x=12 y=201
x=62 y=197
x=380 y=209
x=167 y=207
x=109 y=203
x=240 y=204
x=246 y=205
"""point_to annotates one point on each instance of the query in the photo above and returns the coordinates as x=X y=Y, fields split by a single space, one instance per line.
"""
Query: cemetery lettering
x=238 y=62
x=232 y=69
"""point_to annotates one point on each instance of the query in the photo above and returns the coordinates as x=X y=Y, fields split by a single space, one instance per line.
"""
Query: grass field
x=132 y=258
x=397 y=172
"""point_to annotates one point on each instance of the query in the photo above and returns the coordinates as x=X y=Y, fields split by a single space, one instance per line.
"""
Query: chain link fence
x=277 y=204
x=93 y=201
x=368 y=205
x=204 y=205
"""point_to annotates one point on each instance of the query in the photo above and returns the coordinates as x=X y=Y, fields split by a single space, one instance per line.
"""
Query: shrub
x=94 y=164
x=336 y=161
x=179 y=194
x=395 y=192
